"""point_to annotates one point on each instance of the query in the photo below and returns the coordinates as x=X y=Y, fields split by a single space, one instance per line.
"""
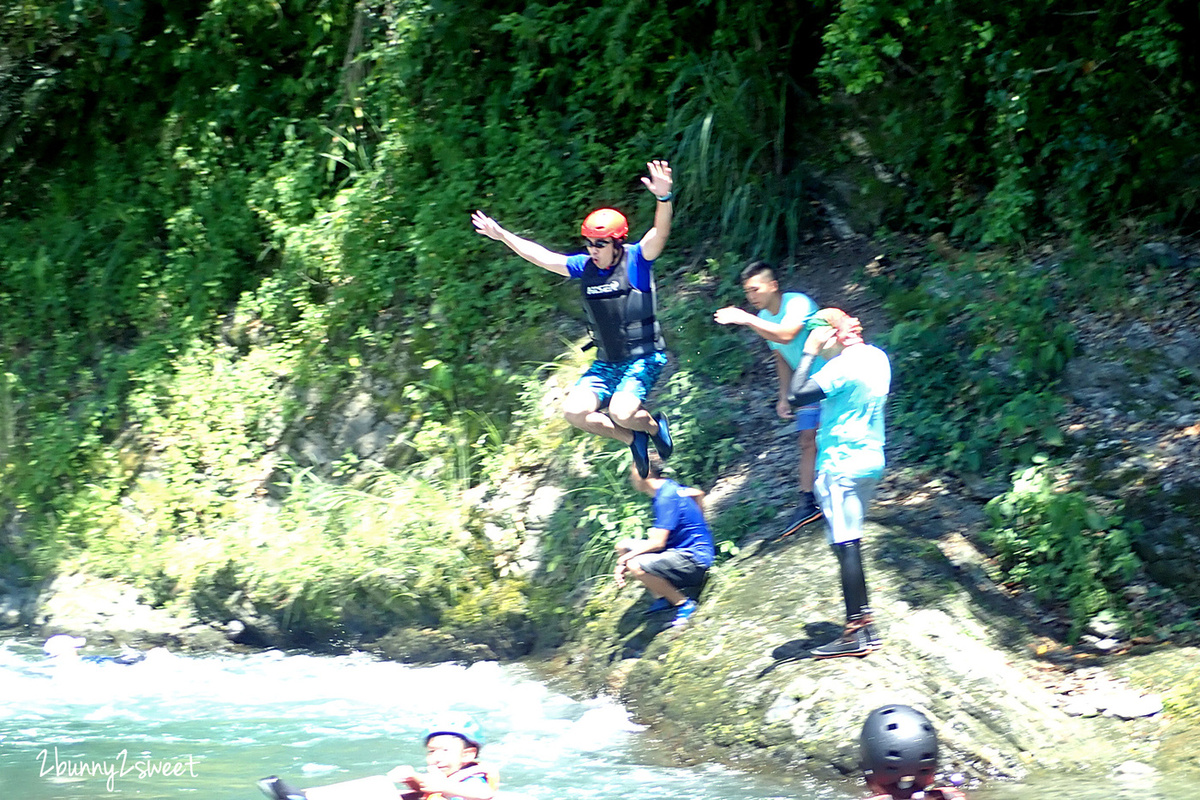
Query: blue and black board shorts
x=636 y=376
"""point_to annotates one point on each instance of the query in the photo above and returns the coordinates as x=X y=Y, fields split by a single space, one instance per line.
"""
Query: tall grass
x=744 y=183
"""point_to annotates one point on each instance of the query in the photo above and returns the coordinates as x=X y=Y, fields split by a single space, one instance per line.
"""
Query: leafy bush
x=1053 y=541
x=978 y=350
x=1066 y=115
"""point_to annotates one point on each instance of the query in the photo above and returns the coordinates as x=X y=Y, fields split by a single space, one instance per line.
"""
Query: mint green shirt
x=850 y=439
x=795 y=348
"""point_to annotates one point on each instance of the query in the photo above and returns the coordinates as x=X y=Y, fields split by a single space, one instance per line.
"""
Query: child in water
x=899 y=756
x=451 y=748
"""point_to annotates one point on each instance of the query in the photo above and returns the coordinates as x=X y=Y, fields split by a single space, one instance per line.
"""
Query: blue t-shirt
x=850 y=439
x=796 y=302
x=639 y=267
x=682 y=518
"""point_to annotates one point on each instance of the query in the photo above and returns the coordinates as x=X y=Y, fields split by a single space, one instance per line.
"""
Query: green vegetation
x=219 y=219
x=1052 y=540
x=986 y=338
x=1002 y=121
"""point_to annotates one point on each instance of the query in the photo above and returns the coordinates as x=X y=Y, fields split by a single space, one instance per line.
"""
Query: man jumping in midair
x=618 y=292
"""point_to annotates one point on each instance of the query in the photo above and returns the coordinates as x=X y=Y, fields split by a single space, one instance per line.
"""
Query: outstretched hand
x=487 y=226
x=732 y=315
x=659 y=181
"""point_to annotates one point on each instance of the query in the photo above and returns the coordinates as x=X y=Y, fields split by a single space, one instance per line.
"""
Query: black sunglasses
x=597 y=243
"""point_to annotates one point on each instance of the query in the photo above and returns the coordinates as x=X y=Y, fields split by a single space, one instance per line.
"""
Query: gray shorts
x=844 y=502
x=673 y=566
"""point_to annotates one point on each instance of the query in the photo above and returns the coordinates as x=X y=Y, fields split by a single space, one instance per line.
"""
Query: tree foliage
x=193 y=188
x=1005 y=119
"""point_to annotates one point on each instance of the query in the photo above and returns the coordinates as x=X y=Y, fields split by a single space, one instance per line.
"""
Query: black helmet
x=899 y=749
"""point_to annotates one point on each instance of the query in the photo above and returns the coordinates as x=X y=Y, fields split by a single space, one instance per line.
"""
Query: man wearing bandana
x=852 y=389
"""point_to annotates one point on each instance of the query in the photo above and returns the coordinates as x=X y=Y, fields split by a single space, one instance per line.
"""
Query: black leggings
x=854 y=582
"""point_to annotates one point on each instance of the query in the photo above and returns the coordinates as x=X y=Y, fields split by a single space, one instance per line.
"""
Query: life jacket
x=946 y=793
x=621 y=318
x=472 y=769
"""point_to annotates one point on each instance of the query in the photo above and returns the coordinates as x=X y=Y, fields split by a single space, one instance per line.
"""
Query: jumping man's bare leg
x=581 y=409
x=625 y=410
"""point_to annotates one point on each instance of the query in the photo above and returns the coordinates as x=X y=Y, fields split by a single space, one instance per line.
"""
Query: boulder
x=737 y=684
x=92 y=606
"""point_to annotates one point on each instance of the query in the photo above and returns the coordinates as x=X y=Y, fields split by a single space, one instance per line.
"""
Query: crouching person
x=677 y=551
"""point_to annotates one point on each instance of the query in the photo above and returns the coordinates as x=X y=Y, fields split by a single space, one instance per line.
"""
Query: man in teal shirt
x=780 y=321
x=852 y=389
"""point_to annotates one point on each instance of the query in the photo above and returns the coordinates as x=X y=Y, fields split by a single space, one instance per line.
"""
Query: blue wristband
x=666 y=198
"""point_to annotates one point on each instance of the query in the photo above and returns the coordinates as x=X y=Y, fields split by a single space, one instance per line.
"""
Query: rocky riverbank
x=737 y=684
x=993 y=669
x=996 y=670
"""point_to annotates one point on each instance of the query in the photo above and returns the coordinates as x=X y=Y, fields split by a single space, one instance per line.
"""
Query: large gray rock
x=737 y=684
x=92 y=606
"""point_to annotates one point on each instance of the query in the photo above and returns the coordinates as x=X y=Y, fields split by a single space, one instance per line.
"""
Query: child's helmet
x=899 y=749
x=460 y=725
x=605 y=222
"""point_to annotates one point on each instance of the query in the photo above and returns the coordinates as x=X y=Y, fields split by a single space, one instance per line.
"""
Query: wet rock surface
x=106 y=611
x=738 y=683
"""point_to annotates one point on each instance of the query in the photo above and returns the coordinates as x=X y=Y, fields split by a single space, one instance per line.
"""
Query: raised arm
x=804 y=391
x=780 y=332
x=659 y=184
x=532 y=252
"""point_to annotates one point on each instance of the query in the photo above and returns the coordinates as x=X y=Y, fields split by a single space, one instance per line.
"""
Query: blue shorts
x=635 y=376
x=808 y=418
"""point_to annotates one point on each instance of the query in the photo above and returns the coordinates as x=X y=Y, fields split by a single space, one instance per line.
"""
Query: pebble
x=1134 y=769
x=1078 y=707
x=1134 y=706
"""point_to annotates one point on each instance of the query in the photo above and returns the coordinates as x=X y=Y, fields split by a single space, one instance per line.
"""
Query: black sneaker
x=807 y=513
x=640 y=447
x=870 y=633
x=855 y=641
x=662 y=439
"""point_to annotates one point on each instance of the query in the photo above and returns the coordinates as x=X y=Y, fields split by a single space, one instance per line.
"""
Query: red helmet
x=605 y=222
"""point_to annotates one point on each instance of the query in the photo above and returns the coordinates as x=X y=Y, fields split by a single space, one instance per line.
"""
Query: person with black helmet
x=852 y=388
x=899 y=755
x=617 y=286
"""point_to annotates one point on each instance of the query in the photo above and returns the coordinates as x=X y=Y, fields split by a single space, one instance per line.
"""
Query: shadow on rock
x=636 y=630
x=816 y=634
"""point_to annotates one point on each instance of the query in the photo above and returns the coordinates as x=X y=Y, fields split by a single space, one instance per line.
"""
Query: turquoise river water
x=211 y=726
